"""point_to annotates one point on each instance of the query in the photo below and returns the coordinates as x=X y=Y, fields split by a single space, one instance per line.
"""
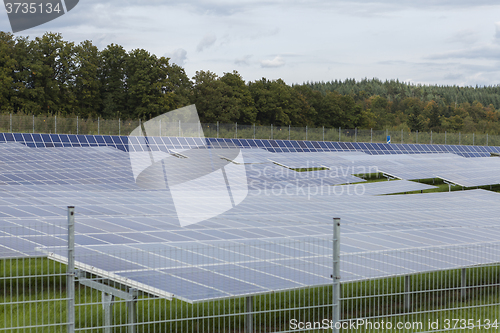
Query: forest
x=48 y=75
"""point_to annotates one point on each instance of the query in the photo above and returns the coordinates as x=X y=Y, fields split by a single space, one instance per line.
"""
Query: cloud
x=177 y=56
x=491 y=52
x=207 y=41
x=276 y=62
x=466 y=37
x=497 y=34
x=245 y=61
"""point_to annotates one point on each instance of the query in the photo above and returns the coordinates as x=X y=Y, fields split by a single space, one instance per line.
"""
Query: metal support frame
x=407 y=295
x=249 y=314
x=107 y=306
x=463 y=290
x=108 y=297
x=336 y=275
x=70 y=272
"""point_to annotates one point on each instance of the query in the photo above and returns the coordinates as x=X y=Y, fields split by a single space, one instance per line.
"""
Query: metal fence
x=40 y=294
x=61 y=125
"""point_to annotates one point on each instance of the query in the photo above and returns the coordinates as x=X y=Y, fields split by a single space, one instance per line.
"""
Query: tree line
x=48 y=75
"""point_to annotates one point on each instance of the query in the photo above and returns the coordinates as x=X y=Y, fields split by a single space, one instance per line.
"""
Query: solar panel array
x=279 y=237
x=278 y=146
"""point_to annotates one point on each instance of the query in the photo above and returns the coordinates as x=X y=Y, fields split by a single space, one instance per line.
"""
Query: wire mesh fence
x=62 y=125
x=165 y=287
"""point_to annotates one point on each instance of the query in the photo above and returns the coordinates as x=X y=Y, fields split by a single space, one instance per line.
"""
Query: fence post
x=417 y=137
x=371 y=135
x=99 y=125
x=34 y=125
x=77 y=125
x=159 y=127
x=306 y=132
x=288 y=132
x=339 y=133
x=473 y=138
x=431 y=137
x=179 y=127
x=336 y=275
x=459 y=139
x=444 y=137
x=218 y=129
x=236 y=127
x=355 y=134
x=70 y=271
x=271 y=131
x=249 y=315
x=11 y=122
x=323 y=133
x=119 y=127
x=55 y=124
x=486 y=138
x=254 y=131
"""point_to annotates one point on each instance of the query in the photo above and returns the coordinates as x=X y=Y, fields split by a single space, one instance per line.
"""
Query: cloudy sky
x=448 y=42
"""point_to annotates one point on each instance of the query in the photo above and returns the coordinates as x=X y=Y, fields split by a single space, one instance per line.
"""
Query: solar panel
x=277 y=238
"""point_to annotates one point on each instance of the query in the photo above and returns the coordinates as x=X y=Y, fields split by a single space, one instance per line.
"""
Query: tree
x=113 y=81
x=87 y=85
x=7 y=68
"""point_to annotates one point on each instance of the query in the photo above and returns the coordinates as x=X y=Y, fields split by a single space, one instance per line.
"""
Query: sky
x=444 y=42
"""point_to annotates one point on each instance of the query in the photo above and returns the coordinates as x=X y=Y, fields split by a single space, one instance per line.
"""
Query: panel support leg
x=107 y=305
x=132 y=310
x=249 y=314
x=464 y=283
x=407 y=298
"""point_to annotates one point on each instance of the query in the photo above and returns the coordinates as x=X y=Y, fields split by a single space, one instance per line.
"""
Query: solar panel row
x=168 y=143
